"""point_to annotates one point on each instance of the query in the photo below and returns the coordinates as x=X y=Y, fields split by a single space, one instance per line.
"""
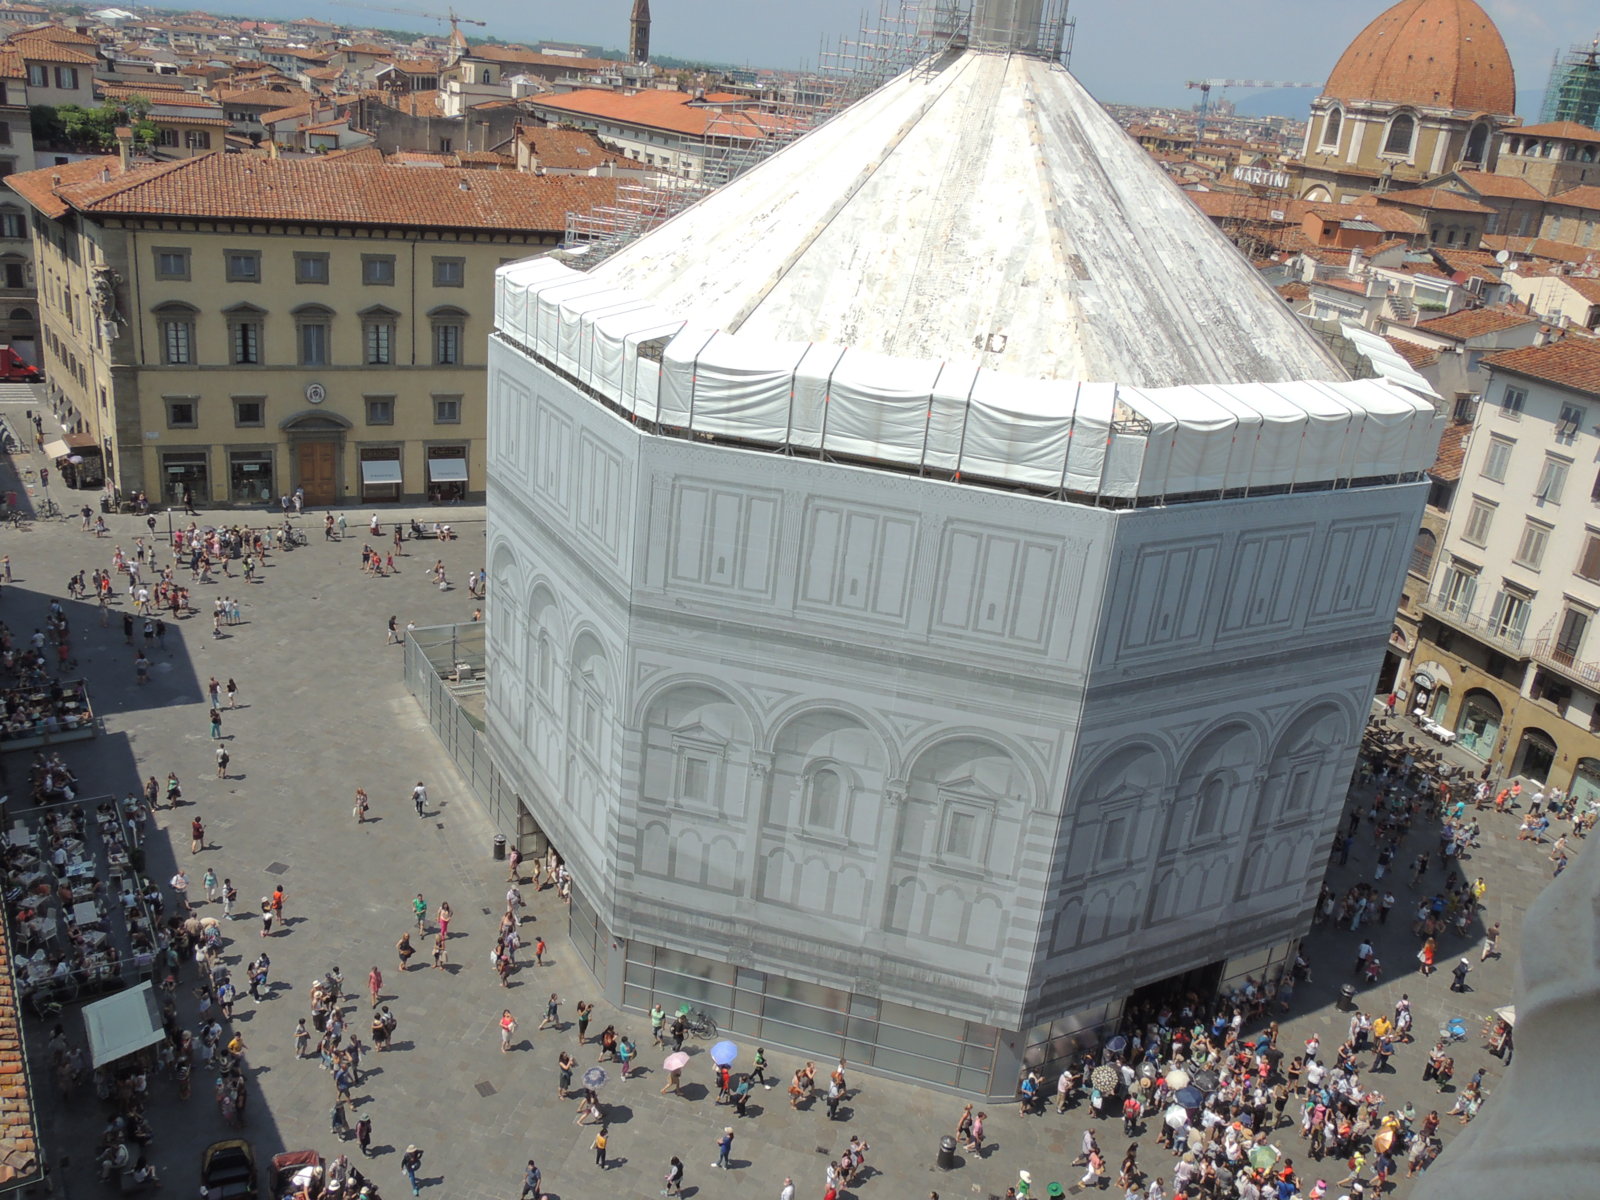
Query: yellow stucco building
x=242 y=327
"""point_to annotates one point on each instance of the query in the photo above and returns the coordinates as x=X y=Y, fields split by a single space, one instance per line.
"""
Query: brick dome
x=1431 y=53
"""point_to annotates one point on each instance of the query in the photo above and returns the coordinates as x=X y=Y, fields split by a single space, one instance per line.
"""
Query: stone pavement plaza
x=323 y=710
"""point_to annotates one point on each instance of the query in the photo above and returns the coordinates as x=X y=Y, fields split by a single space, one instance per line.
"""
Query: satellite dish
x=1502 y=257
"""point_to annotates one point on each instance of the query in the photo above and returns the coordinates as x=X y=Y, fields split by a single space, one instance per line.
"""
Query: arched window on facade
x=1477 y=150
x=1402 y=132
x=1332 y=124
x=1422 y=552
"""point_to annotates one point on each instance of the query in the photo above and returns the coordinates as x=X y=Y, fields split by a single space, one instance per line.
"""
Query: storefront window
x=250 y=476
x=381 y=478
x=447 y=473
x=182 y=469
x=1535 y=755
x=1479 y=724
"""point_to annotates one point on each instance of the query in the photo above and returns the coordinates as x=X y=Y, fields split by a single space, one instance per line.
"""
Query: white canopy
x=951 y=416
x=123 y=1023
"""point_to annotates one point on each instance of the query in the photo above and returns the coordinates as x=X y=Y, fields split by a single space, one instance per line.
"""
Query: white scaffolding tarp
x=1098 y=438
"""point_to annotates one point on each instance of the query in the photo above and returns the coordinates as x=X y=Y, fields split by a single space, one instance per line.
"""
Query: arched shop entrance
x=1585 y=789
x=1536 y=754
x=1478 y=724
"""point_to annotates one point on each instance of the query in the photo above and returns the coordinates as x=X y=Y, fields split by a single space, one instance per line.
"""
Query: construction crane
x=1205 y=86
x=455 y=19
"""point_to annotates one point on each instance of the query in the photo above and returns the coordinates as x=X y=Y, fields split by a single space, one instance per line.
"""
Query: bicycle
x=700 y=1024
x=48 y=508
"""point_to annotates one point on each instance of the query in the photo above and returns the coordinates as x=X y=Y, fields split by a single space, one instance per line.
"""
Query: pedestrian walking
x=359 y=811
x=277 y=905
x=223 y=759
x=419 y=797
x=364 y=1135
x=600 y=1148
x=230 y=895
x=404 y=949
x=209 y=882
x=216 y=722
x=538 y=952
x=233 y=693
x=419 y=909
x=1491 y=941
x=508 y=1027
x=180 y=888
x=409 y=1163
x=374 y=984
x=531 y=1181
x=197 y=837
x=724 y=1147
x=674 y=1177
x=551 y=1011
x=302 y=1038
x=1458 y=980
x=443 y=917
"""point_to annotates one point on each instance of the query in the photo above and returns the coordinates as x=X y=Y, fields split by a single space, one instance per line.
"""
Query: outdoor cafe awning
x=447 y=470
x=57 y=449
x=380 y=471
x=123 y=1023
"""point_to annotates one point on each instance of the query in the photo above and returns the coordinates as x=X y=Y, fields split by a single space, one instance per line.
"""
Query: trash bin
x=947 y=1153
x=1347 y=998
x=499 y=847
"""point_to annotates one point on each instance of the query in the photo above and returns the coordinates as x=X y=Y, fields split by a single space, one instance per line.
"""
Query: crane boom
x=1205 y=86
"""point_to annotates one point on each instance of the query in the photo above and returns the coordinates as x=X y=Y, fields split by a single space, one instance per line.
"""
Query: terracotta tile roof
x=41 y=50
x=1371 y=208
x=289 y=112
x=413 y=104
x=1476 y=322
x=338 y=191
x=1570 y=363
x=1417 y=356
x=157 y=96
x=258 y=97
x=1344 y=285
x=19 y=1143
x=674 y=112
x=1586 y=286
x=60 y=34
x=188 y=118
x=1559 y=129
x=414 y=66
x=1536 y=247
x=38 y=187
x=1452 y=451
x=1431 y=53
x=1507 y=187
x=1294 y=291
x=11 y=65
x=1435 y=198
x=567 y=149
x=1587 y=197
x=360 y=154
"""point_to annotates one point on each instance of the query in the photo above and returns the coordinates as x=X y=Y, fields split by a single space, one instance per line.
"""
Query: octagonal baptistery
x=937 y=585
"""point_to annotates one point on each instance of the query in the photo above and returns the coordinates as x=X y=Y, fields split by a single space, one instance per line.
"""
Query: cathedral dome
x=1430 y=53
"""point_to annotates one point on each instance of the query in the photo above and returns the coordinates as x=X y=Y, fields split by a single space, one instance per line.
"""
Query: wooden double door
x=316 y=469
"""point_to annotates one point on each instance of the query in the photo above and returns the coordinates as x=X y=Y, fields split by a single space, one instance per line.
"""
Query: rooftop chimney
x=125 y=147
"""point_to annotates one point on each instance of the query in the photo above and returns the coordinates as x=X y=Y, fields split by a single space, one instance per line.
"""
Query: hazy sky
x=1127 y=50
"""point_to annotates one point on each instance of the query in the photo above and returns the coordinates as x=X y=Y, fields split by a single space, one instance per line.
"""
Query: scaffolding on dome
x=1573 y=92
x=905 y=35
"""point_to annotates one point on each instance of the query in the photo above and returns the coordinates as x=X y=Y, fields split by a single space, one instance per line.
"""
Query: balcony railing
x=1548 y=652
x=1451 y=611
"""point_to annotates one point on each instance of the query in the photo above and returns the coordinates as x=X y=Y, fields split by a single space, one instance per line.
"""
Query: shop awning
x=121 y=1024
x=57 y=449
x=380 y=471
x=447 y=470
